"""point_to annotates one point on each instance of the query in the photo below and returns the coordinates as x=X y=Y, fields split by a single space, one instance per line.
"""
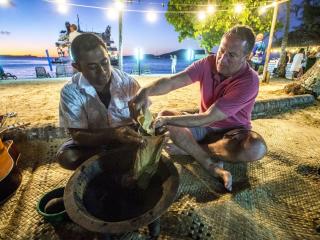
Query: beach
x=37 y=101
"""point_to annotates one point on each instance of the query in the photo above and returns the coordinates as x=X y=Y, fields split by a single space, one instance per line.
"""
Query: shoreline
x=59 y=79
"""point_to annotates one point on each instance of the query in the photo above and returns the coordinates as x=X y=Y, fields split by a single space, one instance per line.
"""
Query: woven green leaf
x=147 y=159
x=145 y=120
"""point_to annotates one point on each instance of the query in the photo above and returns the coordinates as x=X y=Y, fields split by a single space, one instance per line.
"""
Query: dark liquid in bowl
x=106 y=199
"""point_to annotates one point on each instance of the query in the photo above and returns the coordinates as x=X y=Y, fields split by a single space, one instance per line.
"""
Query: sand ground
x=37 y=102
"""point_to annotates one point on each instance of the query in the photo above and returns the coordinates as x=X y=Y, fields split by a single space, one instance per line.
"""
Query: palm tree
x=282 y=62
x=307 y=83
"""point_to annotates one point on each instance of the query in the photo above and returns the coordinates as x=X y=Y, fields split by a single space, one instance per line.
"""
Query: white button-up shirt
x=81 y=107
x=296 y=62
x=73 y=35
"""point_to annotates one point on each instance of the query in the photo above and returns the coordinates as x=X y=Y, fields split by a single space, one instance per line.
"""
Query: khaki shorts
x=200 y=133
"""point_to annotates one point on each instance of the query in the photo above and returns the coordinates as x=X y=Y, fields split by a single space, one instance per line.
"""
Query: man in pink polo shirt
x=228 y=88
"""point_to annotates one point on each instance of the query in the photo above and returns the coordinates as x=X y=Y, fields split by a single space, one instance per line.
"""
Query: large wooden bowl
x=93 y=187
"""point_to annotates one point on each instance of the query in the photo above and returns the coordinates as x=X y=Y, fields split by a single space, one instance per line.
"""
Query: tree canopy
x=310 y=12
x=308 y=31
x=182 y=14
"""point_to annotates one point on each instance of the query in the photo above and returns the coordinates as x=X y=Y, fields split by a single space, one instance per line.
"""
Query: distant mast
x=63 y=43
x=79 y=29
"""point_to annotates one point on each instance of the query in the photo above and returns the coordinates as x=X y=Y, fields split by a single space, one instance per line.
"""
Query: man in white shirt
x=94 y=104
x=296 y=66
x=73 y=33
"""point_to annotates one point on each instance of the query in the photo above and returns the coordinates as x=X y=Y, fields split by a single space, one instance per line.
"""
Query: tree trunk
x=282 y=62
x=265 y=75
x=307 y=83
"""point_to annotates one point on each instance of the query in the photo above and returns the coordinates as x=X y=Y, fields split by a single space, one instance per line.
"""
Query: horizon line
x=43 y=56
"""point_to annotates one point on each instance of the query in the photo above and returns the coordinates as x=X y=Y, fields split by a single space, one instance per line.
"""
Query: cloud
x=4 y=32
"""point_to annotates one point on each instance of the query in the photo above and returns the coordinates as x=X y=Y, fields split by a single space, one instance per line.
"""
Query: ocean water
x=24 y=68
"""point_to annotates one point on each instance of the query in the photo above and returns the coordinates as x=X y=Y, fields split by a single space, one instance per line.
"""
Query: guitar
x=10 y=176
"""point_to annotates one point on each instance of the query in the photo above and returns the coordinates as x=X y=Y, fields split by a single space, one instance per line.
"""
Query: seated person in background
x=228 y=88
x=311 y=60
x=296 y=66
x=94 y=103
x=73 y=33
x=288 y=57
x=276 y=66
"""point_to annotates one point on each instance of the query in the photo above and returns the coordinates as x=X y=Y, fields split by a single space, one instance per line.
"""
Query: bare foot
x=225 y=176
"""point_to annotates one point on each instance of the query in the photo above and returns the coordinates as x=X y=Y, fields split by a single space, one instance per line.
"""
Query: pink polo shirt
x=234 y=96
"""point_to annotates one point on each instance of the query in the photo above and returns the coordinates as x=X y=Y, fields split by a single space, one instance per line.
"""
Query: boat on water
x=63 y=45
x=60 y=60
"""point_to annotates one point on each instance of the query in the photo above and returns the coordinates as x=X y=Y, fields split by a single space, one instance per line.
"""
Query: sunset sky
x=34 y=26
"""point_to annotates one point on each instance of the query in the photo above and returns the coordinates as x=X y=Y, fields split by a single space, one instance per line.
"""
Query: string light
x=262 y=10
x=211 y=9
x=189 y=4
x=238 y=8
x=151 y=16
x=201 y=15
x=62 y=6
x=112 y=13
x=119 y=6
x=4 y=3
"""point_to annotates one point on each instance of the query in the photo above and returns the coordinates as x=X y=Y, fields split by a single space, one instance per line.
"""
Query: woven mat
x=275 y=198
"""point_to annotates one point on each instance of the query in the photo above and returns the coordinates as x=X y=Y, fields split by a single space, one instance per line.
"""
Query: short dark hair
x=74 y=27
x=301 y=50
x=85 y=42
x=244 y=33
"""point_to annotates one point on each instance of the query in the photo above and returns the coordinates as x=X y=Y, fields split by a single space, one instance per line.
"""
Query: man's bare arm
x=95 y=137
x=213 y=114
x=159 y=87
x=167 y=84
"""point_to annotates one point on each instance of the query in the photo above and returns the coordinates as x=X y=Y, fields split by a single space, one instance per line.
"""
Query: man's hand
x=160 y=122
x=127 y=135
x=138 y=103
